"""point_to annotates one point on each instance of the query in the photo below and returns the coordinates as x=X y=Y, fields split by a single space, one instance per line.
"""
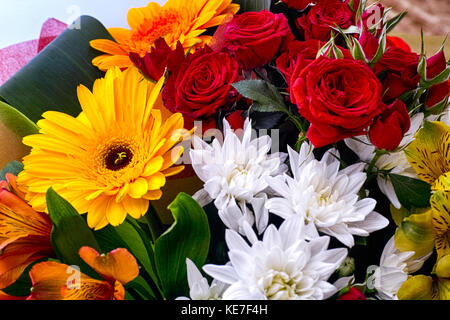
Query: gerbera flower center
x=166 y=26
x=117 y=157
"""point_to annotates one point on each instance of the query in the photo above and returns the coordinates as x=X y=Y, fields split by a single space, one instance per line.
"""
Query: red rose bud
x=369 y=43
x=397 y=42
x=353 y=294
x=373 y=17
x=399 y=69
x=298 y=4
x=389 y=128
x=201 y=85
x=236 y=120
x=317 y=24
x=255 y=38
x=437 y=93
x=154 y=63
x=339 y=97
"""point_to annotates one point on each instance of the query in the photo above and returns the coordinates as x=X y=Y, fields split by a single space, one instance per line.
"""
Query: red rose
x=318 y=23
x=397 y=42
x=201 y=85
x=398 y=68
x=154 y=63
x=353 y=294
x=389 y=128
x=297 y=53
x=298 y=4
x=339 y=97
x=437 y=93
x=255 y=38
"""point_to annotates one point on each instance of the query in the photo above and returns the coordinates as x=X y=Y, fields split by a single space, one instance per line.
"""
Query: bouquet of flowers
x=235 y=150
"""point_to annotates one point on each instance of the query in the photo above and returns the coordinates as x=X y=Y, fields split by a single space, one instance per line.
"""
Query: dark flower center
x=118 y=157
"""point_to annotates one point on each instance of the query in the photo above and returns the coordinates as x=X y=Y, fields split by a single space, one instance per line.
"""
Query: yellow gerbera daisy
x=110 y=160
x=177 y=20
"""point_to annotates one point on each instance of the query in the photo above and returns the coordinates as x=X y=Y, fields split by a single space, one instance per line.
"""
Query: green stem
x=370 y=172
x=154 y=223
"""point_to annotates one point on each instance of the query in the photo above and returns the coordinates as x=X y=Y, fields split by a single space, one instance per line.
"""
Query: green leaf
x=412 y=193
x=70 y=232
x=14 y=168
x=16 y=121
x=253 y=5
x=440 y=78
x=266 y=95
x=142 y=288
x=188 y=237
x=50 y=80
x=357 y=51
x=390 y=24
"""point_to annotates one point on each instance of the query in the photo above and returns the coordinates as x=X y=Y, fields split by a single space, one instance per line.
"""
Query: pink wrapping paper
x=15 y=57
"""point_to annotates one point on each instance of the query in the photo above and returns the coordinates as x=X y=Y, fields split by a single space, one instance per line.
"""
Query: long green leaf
x=70 y=232
x=188 y=237
x=50 y=80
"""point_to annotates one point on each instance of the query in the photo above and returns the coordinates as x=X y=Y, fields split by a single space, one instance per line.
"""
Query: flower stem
x=370 y=172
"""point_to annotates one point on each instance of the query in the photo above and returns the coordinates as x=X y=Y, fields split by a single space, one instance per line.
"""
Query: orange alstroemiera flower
x=51 y=279
x=24 y=233
x=177 y=20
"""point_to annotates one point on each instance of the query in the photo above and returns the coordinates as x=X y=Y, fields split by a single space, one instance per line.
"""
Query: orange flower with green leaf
x=51 y=279
x=24 y=233
x=177 y=20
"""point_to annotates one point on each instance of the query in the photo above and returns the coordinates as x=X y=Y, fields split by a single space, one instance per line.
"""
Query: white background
x=21 y=20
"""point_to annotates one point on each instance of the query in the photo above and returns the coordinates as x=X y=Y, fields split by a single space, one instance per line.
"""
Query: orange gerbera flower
x=51 y=279
x=177 y=20
x=24 y=233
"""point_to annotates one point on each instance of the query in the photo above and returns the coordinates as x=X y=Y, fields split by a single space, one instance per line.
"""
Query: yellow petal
x=425 y=152
x=156 y=181
x=153 y=195
x=443 y=267
x=440 y=202
x=416 y=234
x=417 y=288
x=115 y=212
x=138 y=188
x=135 y=207
x=153 y=166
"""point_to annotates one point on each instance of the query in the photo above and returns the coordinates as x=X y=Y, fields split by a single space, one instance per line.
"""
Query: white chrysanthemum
x=282 y=266
x=393 y=270
x=396 y=162
x=199 y=286
x=234 y=175
x=325 y=197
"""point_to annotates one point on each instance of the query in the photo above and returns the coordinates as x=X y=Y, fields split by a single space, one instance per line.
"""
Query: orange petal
x=18 y=218
x=57 y=281
x=106 y=61
x=117 y=265
x=107 y=46
x=12 y=180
